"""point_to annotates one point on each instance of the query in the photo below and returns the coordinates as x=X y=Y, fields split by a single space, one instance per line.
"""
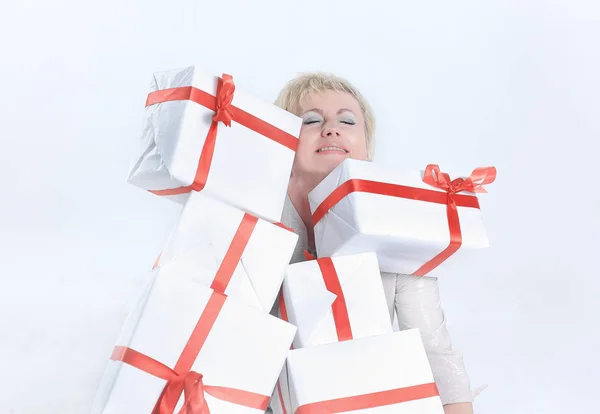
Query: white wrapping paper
x=249 y=170
x=308 y=302
x=245 y=348
x=404 y=233
x=203 y=236
x=363 y=366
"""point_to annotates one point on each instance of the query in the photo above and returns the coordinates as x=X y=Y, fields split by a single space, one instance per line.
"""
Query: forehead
x=329 y=101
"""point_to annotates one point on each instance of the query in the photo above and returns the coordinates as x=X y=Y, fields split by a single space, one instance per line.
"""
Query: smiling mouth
x=332 y=149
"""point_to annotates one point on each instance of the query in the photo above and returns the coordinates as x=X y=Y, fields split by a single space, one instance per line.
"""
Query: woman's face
x=333 y=129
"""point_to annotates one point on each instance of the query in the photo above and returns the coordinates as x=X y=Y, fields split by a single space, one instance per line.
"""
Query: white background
x=510 y=83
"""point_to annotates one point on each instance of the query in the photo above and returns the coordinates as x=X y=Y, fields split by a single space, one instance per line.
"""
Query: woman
x=339 y=123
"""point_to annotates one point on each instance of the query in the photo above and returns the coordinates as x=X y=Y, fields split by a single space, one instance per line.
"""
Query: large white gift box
x=412 y=225
x=380 y=374
x=229 y=250
x=189 y=343
x=336 y=299
x=203 y=133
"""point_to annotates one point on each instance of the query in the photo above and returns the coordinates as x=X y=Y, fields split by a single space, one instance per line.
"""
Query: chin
x=327 y=166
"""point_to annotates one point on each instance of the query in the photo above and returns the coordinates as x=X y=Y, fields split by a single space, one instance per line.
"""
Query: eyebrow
x=320 y=111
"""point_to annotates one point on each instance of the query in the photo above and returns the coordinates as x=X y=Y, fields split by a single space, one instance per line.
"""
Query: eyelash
x=314 y=121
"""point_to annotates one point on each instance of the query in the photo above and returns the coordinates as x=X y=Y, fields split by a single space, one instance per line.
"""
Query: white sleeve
x=418 y=305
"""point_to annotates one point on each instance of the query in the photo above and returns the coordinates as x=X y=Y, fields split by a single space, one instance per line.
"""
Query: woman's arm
x=418 y=305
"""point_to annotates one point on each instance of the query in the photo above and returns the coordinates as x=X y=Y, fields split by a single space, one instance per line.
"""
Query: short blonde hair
x=295 y=90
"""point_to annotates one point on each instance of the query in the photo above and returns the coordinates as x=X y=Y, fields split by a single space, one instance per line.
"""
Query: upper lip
x=332 y=144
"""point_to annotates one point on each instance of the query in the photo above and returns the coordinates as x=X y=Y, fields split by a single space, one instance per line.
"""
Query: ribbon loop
x=225 y=91
x=193 y=391
x=434 y=177
x=191 y=386
x=474 y=183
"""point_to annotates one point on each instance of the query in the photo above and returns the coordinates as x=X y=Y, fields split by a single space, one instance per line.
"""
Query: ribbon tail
x=482 y=176
x=195 y=403
x=169 y=397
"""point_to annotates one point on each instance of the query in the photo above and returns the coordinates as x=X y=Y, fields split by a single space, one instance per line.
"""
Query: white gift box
x=210 y=232
x=310 y=304
x=381 y=374
x=244 y=348
x=406 y=233
x=249 y=168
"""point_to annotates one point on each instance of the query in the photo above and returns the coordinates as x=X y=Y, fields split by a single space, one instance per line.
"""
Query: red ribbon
x=371 y=400
x=284 y=316
x=308 y=255
x=283 y=311
x=474 y=183
x=280 y=393
x=234 y=253
x=225 y=112
x=181 y=380
x=283 y=226
x=157 y=261
x=338 y=307
x=232 y=256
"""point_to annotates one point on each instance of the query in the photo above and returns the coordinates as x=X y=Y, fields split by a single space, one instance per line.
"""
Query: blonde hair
x=295 y=90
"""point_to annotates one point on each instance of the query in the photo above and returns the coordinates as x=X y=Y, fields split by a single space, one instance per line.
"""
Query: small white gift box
x=381 y=374
x=334 y=299
x=203 y=133
x=229 y=250
x=189 y=343
x=413 y=220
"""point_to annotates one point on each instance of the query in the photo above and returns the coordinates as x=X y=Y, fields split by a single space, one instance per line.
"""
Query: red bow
x=225 y=112
x=193 y=389
x=225 y=91
x=474 y=183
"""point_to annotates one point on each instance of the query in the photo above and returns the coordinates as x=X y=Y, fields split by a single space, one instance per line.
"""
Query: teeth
x=331 y=149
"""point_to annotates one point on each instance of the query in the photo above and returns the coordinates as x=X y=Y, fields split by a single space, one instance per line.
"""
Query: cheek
x=305 y=141
x=302 y=153
x=359 y=147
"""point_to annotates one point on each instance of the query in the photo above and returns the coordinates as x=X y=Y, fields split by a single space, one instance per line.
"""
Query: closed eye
x=311 y=121
x=348 y=122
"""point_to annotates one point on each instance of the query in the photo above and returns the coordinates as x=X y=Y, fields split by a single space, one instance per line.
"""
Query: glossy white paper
x=245 y=348
x=248 y=170
x=202 y=237
x=404 y=233
x=308 y=302
x=363 y=366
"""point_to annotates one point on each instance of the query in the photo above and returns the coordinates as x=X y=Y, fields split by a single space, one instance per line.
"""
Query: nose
x=330 y=131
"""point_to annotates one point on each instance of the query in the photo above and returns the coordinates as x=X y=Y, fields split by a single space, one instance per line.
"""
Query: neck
x=298 y=190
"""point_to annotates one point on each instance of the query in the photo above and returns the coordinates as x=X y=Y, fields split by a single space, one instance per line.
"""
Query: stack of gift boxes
x=201 y=338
